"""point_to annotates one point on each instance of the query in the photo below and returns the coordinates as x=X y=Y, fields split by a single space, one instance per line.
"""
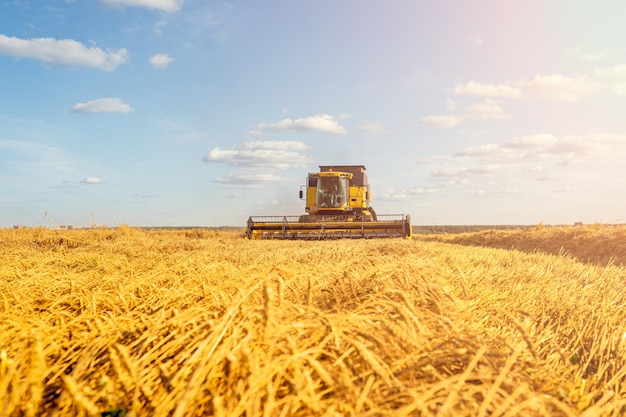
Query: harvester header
x=337 y=203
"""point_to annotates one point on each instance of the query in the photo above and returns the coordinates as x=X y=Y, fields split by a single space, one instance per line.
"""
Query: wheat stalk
x=163 y=323
x=79 y=397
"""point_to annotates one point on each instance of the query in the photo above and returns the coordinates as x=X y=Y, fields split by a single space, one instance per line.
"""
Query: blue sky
x=202 y=113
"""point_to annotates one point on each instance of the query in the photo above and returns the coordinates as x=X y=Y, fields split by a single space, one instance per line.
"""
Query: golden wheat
x=189 y=323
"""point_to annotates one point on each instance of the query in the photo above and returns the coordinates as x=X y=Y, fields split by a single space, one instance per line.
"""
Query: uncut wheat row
x=113 y=322
x=595 y=243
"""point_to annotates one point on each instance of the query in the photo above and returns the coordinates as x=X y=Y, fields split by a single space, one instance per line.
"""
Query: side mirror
x=301 y=194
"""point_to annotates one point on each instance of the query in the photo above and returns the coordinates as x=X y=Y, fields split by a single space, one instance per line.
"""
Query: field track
x=125 y=322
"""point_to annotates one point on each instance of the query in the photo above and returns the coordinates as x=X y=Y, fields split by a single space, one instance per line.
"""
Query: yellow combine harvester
x=338 y=206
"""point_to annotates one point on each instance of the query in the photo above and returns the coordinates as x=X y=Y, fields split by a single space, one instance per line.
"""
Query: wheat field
x=129 y=322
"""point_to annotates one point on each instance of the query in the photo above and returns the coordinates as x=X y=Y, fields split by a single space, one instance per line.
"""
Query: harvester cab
x=332 y=192
x=339 y=191
x=337 y=203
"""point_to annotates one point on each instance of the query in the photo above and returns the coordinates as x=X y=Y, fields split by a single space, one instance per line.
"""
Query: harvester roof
x=359 y=177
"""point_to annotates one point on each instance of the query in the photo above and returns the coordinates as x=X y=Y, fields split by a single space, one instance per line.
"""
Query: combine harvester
x=338 y=206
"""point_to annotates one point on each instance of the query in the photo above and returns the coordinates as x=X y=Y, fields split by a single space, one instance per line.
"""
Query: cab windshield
x=332 y=192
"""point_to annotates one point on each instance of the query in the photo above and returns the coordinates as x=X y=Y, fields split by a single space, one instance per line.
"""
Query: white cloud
x=551 y=87
x=443 y=121
x=614 y=77
x=488 y=109
x=92 y=180
x=582 y=146
x=250 y=179
x=164 y=5
x=423 y=190
x=277 y=155
x=469 y=174
x=554 y=87
x=465 y=171
x=473 y=88
x=586 y=56
x=488 y=151
x=320 y=122
x=159 y=25
x=160 y=60
x=65 y=52
x=592 y=57
x=450 y=104
x=566 y=149
x=391 y=195
x=497 y=168
x=451 y=175
x=616 y=73
x=485 y=110
x=277 y=145
x=103 y=105
x=530 y=142
x=560 y=87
